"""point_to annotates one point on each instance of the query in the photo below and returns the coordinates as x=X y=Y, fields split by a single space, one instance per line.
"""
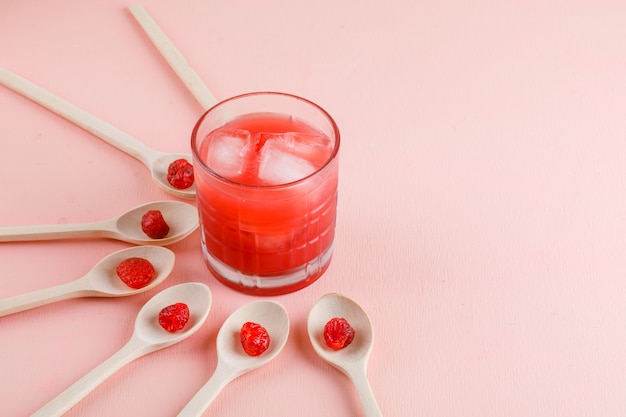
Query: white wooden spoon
x=351 y=360
x=156 y=161
x=100 y=281
x=182 y=218
x=147 y=337
x=173 y=57
x=232 y=361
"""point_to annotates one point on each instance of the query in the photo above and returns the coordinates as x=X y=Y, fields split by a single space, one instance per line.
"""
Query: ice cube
x=226 y=151
x=277 y=165
x=315 y=148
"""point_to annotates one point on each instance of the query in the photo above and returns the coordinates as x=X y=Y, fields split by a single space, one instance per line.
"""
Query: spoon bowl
x=105 y=282
x=147 y=337
x=352 y=359
x=196 y=295
x=270 y=315
x=336 y=305
x=158 y=168
x=182 y=219
x=232 y=361
x=100 y=281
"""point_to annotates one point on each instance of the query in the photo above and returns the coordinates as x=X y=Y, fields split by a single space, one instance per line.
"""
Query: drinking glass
x=266 y=174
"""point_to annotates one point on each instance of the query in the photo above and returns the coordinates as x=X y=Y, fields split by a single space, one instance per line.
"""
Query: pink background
x=482 y=212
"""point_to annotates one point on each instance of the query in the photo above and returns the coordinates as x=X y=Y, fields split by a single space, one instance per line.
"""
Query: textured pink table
x=482 y=214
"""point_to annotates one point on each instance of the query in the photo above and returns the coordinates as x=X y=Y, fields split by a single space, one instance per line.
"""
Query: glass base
x=269 y=285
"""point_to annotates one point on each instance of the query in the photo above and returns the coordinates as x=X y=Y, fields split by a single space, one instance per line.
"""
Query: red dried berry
x=180 y=174
x=338 y=333
x=254 y=338
x=136 y=272
x=173 y=318
x=153 y=224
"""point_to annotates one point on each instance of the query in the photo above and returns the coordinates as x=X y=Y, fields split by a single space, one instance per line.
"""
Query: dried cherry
x=153 y=224
x=180 y=174
x=338 y=333
x=136 y=272
x=174 y=317
x=254 y=338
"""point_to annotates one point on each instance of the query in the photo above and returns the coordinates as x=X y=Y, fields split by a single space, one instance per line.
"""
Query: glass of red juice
x=266 y=172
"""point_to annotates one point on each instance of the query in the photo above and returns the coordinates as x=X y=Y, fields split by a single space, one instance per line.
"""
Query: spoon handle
x=56 y=231
x=79 y=117
x=77 y=391
x=205 y=396
x=364 y=391
x=173 y=57
x=42 y=297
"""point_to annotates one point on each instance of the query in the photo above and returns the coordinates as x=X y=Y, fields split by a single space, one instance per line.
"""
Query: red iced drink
x=266 y=181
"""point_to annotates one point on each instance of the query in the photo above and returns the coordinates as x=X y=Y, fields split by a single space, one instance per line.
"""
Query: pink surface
x=481 y=215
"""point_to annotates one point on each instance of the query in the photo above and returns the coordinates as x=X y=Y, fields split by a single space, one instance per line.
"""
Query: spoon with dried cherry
x=242 y=348
x=171 y=171
x=103 y=280
x=149 y=336
x=341 y=333
x=181 y=219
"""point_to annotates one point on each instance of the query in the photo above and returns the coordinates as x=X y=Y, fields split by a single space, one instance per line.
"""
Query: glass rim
x=325 y=114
